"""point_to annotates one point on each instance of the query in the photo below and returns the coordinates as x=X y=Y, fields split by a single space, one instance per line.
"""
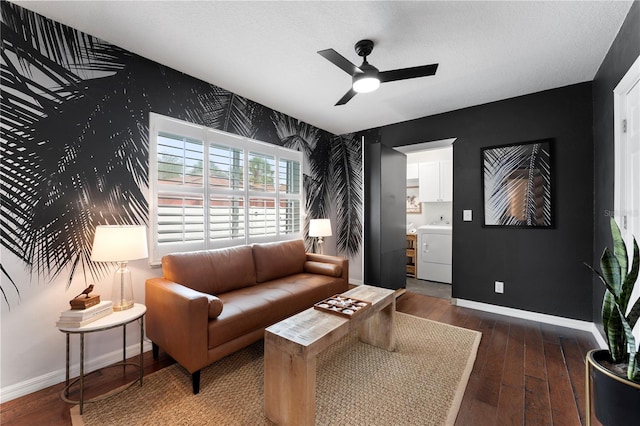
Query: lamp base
x=122 y=307
x=122 y=289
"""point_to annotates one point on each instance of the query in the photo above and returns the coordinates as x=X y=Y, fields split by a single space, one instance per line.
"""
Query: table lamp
x=320 y=228
x=120 y=243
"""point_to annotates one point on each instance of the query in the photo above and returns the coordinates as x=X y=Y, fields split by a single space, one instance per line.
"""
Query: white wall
x=439 y=154
x=32 y=355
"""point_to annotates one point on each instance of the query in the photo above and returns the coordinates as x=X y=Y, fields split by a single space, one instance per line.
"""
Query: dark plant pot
x=615 y=399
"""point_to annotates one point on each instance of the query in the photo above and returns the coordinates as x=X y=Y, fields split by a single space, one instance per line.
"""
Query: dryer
x=435 y=253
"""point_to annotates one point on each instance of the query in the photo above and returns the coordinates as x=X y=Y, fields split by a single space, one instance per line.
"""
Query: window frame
x=162 y=124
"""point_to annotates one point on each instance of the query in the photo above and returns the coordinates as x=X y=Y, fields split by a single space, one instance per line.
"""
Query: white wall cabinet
x=413 y=171
x=436 y=181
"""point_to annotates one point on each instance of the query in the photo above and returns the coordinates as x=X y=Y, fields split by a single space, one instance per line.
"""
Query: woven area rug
x=421 y=383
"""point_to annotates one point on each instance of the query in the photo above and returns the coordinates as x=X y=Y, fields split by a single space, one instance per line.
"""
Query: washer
x=434 y=253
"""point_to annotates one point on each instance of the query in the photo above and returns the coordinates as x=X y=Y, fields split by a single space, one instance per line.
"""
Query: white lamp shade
x=117 y=243
x=320 y=228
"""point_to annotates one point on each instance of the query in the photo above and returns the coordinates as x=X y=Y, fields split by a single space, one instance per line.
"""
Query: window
x=211 y=189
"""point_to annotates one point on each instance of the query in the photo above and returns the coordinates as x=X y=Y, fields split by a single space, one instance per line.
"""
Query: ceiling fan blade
x=339 y=61
x=406 y=73
x=347 y=97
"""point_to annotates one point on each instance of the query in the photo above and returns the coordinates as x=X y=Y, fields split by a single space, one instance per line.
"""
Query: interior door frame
x=631 y=78
x=621 y=205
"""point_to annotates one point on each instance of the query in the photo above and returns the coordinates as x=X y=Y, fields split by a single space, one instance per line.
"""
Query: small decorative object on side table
x=85 y=299
x=113 y=320
x=81 y=317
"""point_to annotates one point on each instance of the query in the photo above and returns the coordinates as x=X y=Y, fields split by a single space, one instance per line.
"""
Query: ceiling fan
x=366 y=77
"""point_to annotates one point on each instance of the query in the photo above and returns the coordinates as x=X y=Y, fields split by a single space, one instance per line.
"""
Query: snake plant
x=619 y=281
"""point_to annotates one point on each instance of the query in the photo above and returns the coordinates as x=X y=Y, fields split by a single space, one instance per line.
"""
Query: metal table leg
x=141 y=342
x=81 y=372
x=124 y=347
x=66 y=378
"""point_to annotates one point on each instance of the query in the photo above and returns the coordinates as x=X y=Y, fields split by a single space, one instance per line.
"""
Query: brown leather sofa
x=211 y=303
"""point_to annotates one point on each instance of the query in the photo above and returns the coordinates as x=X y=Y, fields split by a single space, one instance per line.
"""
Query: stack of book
x=74 y=318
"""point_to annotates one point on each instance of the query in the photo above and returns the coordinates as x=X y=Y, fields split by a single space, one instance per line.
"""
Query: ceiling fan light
x=365 y=83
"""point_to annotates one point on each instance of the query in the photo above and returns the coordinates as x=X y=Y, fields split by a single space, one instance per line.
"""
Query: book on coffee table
x=344 y=306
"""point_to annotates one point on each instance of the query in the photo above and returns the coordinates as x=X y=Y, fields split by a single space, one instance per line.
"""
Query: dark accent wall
x=542 y=269
x=623 y=52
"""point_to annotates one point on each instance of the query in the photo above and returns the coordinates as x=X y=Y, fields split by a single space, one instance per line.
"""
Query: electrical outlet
x=499 y=287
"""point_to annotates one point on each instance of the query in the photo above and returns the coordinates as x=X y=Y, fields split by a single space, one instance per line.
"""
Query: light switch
x=467 y=215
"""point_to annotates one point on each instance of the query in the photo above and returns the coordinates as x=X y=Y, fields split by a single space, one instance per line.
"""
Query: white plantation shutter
x=227 y=219
x=262 y=216
x=180 y=219
x=289 y=178
x=212 y=189
x=179 y=199
x=289 y=218
x=226 y=167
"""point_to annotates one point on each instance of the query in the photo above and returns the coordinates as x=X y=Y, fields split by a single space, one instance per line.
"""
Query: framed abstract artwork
x=517 y=185
x=413 y=203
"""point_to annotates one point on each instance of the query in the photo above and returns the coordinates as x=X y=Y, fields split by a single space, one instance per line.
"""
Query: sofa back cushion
x=211 y=271
x=276 y=260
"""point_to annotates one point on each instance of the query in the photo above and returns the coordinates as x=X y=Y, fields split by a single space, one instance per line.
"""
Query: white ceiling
x=266 y=50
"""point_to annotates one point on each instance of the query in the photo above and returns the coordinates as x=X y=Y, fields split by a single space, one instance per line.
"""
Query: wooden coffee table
x=291 y=347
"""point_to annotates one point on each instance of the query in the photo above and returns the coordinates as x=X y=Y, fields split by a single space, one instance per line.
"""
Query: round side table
x=113 y=320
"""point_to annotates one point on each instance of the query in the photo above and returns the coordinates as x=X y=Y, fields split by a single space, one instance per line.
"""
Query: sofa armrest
x=176 y=320
x=336 y=260
x=323 y=268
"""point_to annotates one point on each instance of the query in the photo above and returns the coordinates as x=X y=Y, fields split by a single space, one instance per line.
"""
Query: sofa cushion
x=264 y=304
x=211 y=271
x=322 y=268
x=276 y=260
x=215 y=306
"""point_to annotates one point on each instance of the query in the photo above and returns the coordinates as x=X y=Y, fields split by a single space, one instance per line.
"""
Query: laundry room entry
x=429 y=214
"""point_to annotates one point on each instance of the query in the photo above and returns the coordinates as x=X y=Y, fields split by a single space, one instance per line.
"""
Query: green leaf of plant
x=599 y=275
x=634 y=314
x=631 y=345
x=619 y=248
x=628 y=285
x=627 y=288
x=610 y=268
x=613 y=328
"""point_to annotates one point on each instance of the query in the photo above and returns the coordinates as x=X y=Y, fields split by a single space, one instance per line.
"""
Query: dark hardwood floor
x=526 y=373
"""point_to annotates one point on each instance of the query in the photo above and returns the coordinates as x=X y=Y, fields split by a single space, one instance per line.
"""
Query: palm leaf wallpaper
x=74 y=144
x=517 y=185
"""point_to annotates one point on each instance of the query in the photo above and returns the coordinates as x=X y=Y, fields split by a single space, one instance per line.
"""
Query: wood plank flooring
x=526 y=373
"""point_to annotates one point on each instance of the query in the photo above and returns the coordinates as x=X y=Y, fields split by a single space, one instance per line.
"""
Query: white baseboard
x=535 y=316
x=596 y=334
x=26 y=387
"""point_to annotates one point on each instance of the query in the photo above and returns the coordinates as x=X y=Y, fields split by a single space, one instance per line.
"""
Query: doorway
x=627 y=153
x=627 y=159
x=429 y=217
